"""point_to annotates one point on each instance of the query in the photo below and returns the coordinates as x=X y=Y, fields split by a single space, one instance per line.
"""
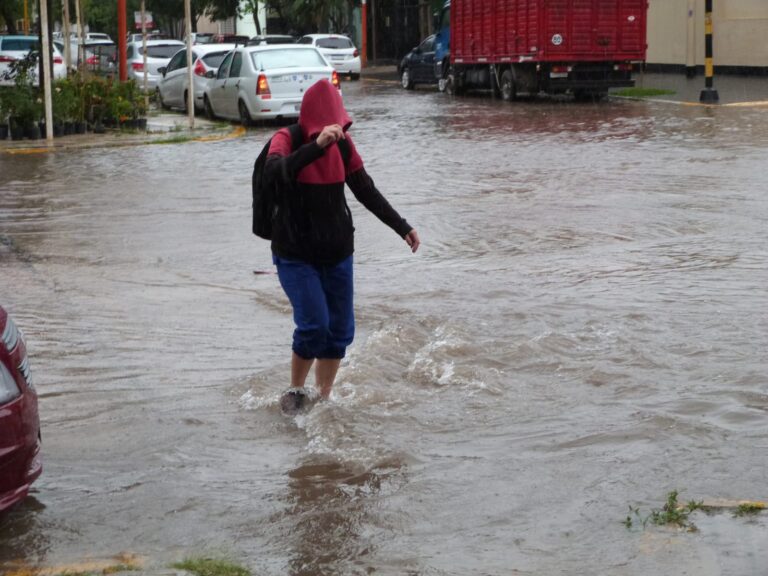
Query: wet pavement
x=582 y=331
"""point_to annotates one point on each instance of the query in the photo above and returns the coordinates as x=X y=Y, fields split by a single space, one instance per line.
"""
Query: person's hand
x=329 y=135
x=412 y=239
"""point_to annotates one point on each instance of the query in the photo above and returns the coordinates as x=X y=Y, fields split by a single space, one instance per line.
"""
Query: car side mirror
x=210 y=74
x=162 y=70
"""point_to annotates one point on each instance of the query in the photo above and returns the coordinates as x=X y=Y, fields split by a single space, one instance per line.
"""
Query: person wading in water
x=313 y=236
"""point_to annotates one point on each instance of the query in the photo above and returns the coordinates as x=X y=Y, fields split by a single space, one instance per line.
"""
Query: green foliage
x=643 y=92
x=211 y=567
x=672 y=513
x=749 y=509
x=22 y=102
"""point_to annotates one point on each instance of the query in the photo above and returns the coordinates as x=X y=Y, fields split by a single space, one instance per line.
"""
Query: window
x=237 y=64
x=428 y=45
x=161 y=50
x=305 y=40
x=178 y=61
x=268 y=60
x=336 y=43
x=215 y=59
x=19 y=44
x=224 y=68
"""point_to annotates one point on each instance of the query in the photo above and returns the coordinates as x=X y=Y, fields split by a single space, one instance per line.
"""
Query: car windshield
x=161 y=50
x=18 y=44
x=214 y=60
x=270 y=59
x=335 y=43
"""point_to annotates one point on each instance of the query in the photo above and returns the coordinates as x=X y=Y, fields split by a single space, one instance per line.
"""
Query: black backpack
x=265 y=191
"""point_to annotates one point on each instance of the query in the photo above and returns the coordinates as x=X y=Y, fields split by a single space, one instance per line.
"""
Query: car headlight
x=10 y=334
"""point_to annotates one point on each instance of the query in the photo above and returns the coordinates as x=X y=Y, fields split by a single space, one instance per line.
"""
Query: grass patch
x=748 y=510
x=643 y=92
x=181 y=139
x=672 y=513
x=211 y=567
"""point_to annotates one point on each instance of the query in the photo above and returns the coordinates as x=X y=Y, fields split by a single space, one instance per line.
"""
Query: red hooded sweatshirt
x=314 y=223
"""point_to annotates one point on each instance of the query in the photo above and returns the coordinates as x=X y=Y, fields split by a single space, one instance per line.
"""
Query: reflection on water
x=583 y=329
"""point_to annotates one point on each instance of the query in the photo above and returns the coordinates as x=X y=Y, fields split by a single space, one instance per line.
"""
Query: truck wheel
x=508 y=88
x=450 y=84
x=406 y=80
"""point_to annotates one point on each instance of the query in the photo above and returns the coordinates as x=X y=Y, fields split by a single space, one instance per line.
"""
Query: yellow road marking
x=237 y=132
x=123 y=561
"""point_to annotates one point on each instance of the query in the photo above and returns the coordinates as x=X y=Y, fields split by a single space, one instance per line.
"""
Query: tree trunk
x=7 y=13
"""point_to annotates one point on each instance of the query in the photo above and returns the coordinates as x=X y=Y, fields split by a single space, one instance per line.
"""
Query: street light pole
x=709 y=95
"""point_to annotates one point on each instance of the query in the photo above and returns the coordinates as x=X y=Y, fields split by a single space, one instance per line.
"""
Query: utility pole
x=709 y=95
x=46 y=72
x=80 y=36
x=190 y=73
x=144 y=51
x=122 y=41
x=67 y=43
x=364 y=32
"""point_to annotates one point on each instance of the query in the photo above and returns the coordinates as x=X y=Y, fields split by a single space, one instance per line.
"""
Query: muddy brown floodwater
x=584 y=329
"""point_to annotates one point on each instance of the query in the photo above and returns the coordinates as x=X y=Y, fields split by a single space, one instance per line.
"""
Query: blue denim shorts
x=322 y=301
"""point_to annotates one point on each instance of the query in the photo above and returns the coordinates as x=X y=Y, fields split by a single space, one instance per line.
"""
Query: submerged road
x=583 y=330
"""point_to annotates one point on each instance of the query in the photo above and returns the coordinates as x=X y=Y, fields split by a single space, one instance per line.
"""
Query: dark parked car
x=418 y=66
x=20 y=463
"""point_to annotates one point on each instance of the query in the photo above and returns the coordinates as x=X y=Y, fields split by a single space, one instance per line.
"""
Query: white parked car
x=18 y=47
x=339 y=50
x=159 y=53
x=265 y=82
x=174 y=85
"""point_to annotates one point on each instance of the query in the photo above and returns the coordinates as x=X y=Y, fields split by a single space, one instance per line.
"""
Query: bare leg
x=299 y=370
x=325 y=374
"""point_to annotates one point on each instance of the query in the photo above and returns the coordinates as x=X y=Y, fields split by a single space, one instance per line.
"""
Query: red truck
x=583 y=47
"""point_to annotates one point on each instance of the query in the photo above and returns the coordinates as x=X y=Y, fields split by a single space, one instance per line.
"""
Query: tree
x=252 y=7
x=10 y=12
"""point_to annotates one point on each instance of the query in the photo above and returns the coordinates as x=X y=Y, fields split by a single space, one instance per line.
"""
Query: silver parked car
x=173 y=86
x=265 y=82
x=159 y=53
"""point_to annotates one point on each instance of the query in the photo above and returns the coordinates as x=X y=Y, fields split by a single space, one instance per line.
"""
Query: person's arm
x=283 y=164
x=368 y=195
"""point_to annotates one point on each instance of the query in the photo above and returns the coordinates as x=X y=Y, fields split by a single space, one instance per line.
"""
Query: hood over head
x=321 y=107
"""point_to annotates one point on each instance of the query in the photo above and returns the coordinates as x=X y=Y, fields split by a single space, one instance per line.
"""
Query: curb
x=165 y=138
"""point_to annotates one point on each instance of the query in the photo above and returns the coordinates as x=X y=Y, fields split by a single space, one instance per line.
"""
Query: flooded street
x=584 y=328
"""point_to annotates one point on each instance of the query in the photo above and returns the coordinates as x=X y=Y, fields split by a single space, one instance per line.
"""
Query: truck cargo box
x=484 y=31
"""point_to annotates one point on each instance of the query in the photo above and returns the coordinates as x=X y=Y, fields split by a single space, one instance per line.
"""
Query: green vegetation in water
x=748 y=510
x=181 y=139
x=671 y=513
x=211 y=567
x=643 y=92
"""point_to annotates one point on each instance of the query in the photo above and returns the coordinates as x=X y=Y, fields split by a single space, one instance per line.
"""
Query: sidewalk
x=163 y=128
x=733 y=90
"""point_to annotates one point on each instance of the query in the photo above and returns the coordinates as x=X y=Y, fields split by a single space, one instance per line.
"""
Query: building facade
x=740 y=35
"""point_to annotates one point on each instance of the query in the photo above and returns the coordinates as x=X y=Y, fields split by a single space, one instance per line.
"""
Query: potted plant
x=4 y=129
x=22 y=101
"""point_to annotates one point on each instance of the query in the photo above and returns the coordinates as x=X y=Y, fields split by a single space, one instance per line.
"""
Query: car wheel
x=508 y=88
x=184 y=106
x=163 y=105
x=208 y=109
x=406 y=80
x=245 y=116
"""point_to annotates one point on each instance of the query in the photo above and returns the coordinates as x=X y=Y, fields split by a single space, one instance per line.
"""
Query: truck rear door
x=593 y=29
